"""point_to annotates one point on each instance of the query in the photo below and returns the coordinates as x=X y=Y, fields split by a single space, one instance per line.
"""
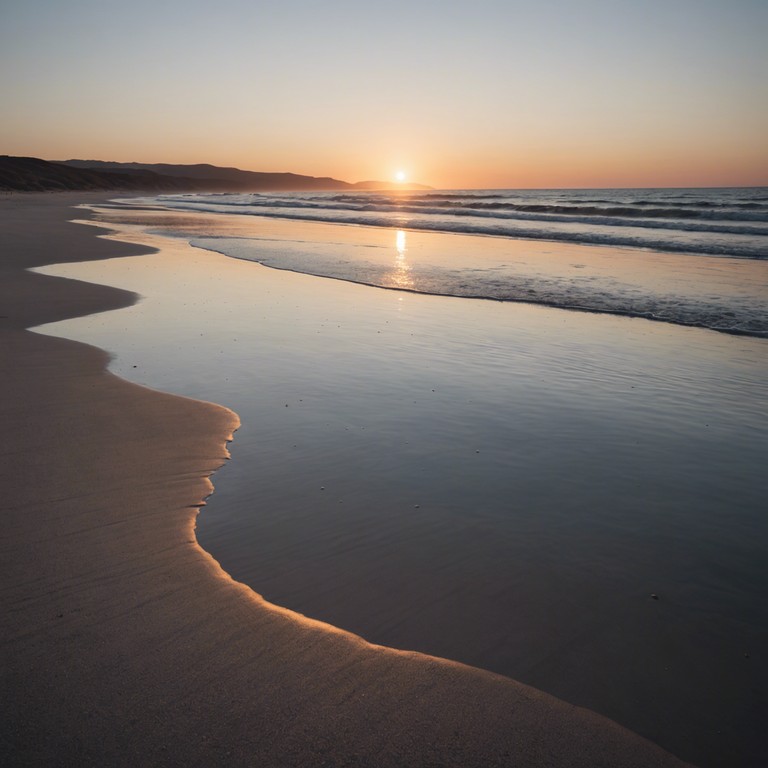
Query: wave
x=583 y=210
x=685 y=291
x=562 y=293
x=472 y=224
x=598 y=217
x=637 y=209
x=747 y=205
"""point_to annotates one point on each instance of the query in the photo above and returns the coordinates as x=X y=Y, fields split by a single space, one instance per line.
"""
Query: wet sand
x=124 y=643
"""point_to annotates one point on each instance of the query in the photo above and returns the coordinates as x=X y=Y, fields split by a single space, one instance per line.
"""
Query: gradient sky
x=488 y=93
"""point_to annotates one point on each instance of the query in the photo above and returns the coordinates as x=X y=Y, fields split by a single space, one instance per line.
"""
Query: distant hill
x=231 y=178
x=33 y=174
x=30 y=174
x=243 y=180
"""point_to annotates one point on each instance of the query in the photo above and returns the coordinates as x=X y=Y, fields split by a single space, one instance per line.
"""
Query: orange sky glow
x=492 y=94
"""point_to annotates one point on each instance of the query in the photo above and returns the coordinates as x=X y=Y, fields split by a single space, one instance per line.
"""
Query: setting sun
x=400 y=176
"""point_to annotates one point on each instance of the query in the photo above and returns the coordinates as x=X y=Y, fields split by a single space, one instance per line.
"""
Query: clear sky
x=496 y=93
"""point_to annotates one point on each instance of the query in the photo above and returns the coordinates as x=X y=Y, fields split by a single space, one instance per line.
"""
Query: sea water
x=684 y=256
x=572 y=499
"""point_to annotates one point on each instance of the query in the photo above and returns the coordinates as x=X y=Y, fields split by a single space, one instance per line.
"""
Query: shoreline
x=479 y=297
x=256 y=339
x=486 y=230
x=521 y=261
x=128 y=645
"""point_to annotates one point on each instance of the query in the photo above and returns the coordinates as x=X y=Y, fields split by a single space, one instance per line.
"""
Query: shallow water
x=725 y=222
x=501 y=484
x=694 y=257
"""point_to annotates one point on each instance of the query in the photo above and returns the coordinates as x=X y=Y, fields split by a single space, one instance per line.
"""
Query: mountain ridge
x=33 y=174
x=243 y=179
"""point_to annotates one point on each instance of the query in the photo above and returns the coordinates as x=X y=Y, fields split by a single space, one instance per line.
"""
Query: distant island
x=31 y=174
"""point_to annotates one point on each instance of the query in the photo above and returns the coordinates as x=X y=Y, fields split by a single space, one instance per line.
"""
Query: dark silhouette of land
x=30 y=174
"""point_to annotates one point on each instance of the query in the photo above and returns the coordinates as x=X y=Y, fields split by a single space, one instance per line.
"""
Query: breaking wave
x=713 y=222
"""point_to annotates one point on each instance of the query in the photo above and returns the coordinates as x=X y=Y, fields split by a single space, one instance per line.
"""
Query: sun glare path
x=401 y=274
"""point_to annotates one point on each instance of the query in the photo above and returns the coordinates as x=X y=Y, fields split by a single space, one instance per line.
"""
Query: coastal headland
x=32 y=174
x=124 y=643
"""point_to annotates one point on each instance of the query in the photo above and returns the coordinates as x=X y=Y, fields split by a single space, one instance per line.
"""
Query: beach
x=498 y=483
x=125 y=643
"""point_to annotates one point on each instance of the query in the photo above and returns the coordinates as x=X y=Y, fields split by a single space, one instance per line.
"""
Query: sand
x=124 y=643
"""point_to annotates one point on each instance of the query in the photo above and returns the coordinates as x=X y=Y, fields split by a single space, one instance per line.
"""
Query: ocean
x=683 y=256
x=575 y=499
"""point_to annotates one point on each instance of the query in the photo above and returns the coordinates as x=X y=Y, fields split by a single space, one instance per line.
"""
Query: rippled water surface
x=691 y=257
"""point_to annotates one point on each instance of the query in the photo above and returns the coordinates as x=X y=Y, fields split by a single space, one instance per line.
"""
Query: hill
x=243 y=180
x=31 y=174
x=233 y=179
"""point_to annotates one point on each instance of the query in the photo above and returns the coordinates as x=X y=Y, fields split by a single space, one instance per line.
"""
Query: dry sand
x=124 y=643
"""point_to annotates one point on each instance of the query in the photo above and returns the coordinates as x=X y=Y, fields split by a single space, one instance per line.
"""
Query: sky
x=488 y=93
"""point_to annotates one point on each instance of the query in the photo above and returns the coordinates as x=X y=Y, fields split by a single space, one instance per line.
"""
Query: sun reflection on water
x=401 y=274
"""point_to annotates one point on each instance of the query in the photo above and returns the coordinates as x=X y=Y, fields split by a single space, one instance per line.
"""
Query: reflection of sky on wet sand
x=564 y=466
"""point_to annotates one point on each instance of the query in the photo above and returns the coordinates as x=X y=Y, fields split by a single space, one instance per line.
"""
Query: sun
x=400 y=176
